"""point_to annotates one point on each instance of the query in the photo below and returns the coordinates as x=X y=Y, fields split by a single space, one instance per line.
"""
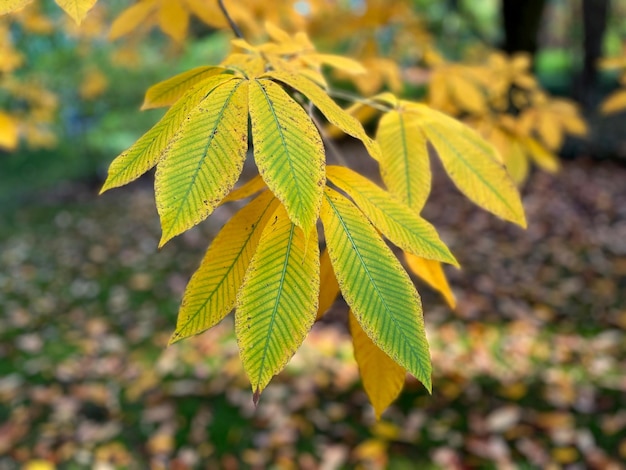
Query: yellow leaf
x=338 y=62
x=168 y=91
x=131 y=18
x=472 y=164
x=77 y=9
x=614 y=103
x=275 y=33
x=404 y=162
x=9 y=6
x=335 y=115
x=467 y=94
x=212 y=291
x=329 y=287
x=204 y=159
x=432 y=273
x=38 y=465
x=382 y=377
x=549 y=130
x=174 y=20
x=516 y=162
x=9 y=132
x=93 y=85
x=542 y=156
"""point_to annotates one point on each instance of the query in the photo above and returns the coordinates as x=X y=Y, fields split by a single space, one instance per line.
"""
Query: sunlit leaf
x=396 y=221
x=404 y=163
x=382 y=377
x=541 y=156
x=375 y=286
x=471 y=163
x=204 y=159
x=278 y=300
x=212 y=290
x=131 y=18
x=77 y=9
x=9 y=132
x=8 y=6
x=614 y=103
x=288 y=151
x=147 y=151
x=248 y=189
x=329 y=288
x=174 y=20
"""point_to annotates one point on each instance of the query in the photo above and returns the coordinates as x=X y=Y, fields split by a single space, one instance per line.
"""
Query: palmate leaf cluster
x=266 y=263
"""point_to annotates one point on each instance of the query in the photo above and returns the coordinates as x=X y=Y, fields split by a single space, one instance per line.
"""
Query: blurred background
x=529 y=368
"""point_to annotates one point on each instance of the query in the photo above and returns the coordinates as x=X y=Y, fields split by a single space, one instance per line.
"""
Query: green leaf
x=471 y=162
x=147 y=151
x=288 y=151
x=382 y=377
x=277 y=303
x=168 y=91
x=401 y=225
x=212 y=290
x=204 y=159
x=375 y=286
x=404 y=163
x=335 y=115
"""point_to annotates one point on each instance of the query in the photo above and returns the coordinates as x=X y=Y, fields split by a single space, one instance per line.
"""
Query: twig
x=232 y=24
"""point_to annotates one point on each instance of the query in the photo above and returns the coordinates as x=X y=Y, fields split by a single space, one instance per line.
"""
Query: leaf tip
x=256 y=396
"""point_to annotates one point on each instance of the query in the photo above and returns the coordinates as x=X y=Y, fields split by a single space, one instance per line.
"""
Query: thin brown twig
x=231 y=22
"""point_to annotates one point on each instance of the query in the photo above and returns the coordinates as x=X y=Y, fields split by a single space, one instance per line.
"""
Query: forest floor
x=530 y=369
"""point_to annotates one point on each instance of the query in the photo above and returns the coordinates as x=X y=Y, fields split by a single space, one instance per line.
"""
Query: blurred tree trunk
x=595 y=15
x=521 y=21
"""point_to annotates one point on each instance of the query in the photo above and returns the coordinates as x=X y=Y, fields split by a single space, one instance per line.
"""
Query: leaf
x=147 y=151
x=212 y=291
x=377 y=289
x=403 y=227
x=77 y=9
x=404 y=163
x=9 y=6
x=467 y=94
x=288 y=151
x=545 y=159
x=471 y=163
x=614 y=103
x=204 y=159
x=174 y=20
x=329 y=288
x=131 y=18
x=432 y=273
x=277 y=303
x=248 y=189
x=338 y=62
x=335 y=115
x=168 y=91
x=9 y=132
x=549 y=130
x=382 y=378
x=517 y=162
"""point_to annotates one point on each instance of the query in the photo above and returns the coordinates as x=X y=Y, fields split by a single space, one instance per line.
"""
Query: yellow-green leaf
x=277 y=303
x=247 y=189
x=432 y=273
x=204 y=159
x=335 y=115
x=131 y=18
x=77 y=9
x=472 y=163
x=168 y=91
x=395 y=220
x=404 y=163
x=614 y=103
x=329 y=288
x=288 y=151
x=382 y=377
x=375 y=286
x=9 y=6
x=147 y=151
x=212 y=290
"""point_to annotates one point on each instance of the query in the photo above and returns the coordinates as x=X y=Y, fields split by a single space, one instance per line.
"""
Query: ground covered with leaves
x=530 y=368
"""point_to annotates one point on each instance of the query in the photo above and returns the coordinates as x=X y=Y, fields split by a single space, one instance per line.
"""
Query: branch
x=232 y=24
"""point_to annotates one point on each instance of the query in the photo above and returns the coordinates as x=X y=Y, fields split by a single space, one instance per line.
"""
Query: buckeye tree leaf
x=432 y=273
x=329 y=288
x=204 y=159
x=212 y=291
x=471 y=163
x=404 y=163
x=8 y=6
x=77 y=9
x=249 y=188
x=277 y=303
x=288 y=151
x=395 y=220
x=375 y=286
x=382 y=377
